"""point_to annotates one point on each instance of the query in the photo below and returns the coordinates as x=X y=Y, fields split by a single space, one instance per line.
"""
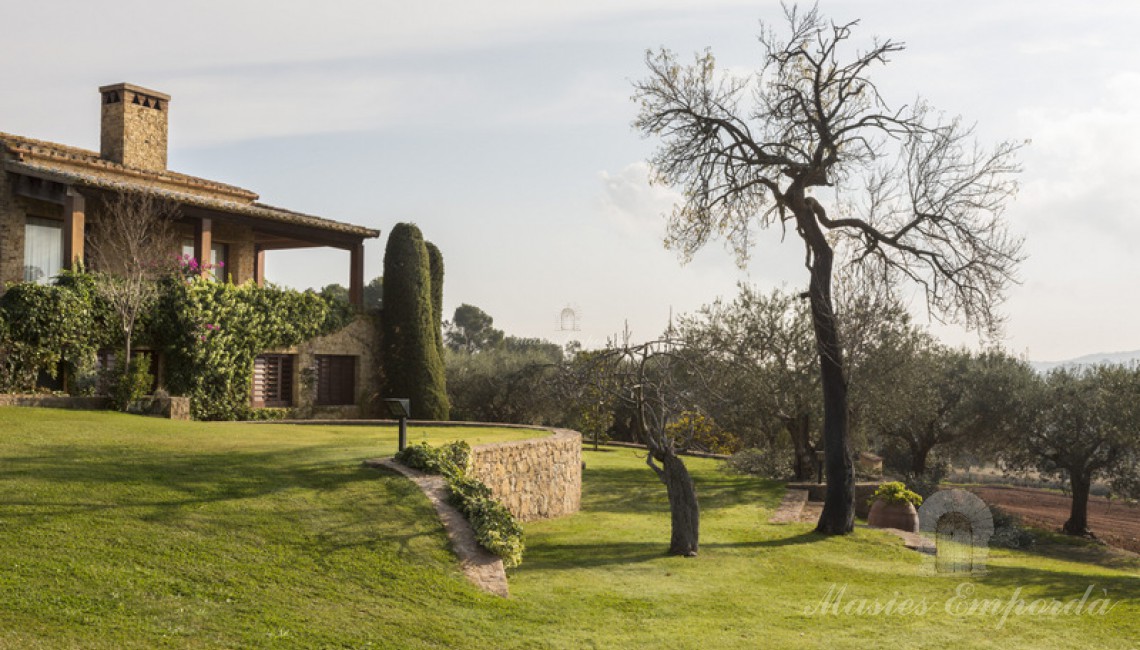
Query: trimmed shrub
x=496 y=529
x=435 y=267
x=411 y=362
x=452 y=459
x=47 y=327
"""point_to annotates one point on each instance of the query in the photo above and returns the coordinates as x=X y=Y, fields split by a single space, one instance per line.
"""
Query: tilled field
x=1115 y=522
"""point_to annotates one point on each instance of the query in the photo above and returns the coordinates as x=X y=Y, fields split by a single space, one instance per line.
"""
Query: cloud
x=632 y=204
x=1083 y=166
x=241 y=105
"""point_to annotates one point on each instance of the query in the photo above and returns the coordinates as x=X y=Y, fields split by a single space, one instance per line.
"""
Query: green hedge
x=46 y=327
x=496 y=529
x=209 y=331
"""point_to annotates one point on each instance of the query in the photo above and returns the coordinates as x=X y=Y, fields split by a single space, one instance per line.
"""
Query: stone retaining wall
x=57 y=402
x=175 y=408
x=540 y=478
x=863 y=492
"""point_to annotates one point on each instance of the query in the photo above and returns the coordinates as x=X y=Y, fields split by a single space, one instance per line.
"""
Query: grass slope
x=127 y=532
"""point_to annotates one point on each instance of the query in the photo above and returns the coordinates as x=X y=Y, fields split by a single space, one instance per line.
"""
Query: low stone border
x=790 y=508
x=174 y=408
x=483 y=568
x=57 y=402
x=864 y=490
x=637 y=445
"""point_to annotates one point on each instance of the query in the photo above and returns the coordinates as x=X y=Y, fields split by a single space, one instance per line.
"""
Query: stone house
x=46 y=190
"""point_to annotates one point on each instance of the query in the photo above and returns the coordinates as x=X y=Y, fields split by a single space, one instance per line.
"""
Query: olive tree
x=912 y=195
x=651 y=380
x=1084 y=425
x=938 y=400
x=758 y=349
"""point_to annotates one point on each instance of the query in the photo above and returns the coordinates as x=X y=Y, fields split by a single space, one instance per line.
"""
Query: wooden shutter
x=336 y=380
x=273 y=380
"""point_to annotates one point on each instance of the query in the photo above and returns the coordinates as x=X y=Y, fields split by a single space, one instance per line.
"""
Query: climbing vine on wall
x=211 y=332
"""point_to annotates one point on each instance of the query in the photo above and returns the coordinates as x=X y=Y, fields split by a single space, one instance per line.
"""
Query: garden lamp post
x=400 y=408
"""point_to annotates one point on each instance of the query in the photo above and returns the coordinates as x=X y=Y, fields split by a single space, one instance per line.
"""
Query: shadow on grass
x=629 y=490
x=1061 y=583
x=567 y=556
x=810 y=537
x=113 y=478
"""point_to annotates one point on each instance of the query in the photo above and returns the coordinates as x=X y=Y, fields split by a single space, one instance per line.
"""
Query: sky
x=502 y=128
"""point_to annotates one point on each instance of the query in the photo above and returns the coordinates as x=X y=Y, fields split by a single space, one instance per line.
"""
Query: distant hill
x=1100 y=358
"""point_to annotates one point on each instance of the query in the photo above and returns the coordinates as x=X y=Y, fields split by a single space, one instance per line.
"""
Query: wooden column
x=203 y=242
x=356 y=276
x=74 y=216
x=259 y=266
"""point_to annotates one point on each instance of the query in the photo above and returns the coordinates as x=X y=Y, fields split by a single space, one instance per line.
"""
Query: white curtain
x=43 y=249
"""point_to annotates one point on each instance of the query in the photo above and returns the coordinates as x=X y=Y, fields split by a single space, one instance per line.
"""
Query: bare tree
x=651 y=380
x=915 y=196
x=131 y=244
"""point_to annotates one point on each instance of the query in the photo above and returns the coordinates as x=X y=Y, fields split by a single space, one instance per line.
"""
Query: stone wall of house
x=360 y=339
x=11 y=235
x=239 y=240
x=14 y=213
x=540 y=478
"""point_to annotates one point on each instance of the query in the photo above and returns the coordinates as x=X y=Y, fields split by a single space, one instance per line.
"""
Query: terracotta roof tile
x=83 y=167
x=29 y=148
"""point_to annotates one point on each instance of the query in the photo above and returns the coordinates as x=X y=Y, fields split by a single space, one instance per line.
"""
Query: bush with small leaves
x=1008 y=531
x=496 y=529
x=768 y=463
x=132 y=382
x=895 y=492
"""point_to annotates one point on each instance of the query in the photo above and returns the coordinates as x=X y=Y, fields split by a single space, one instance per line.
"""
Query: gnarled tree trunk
x=683 y=507
x=1078 y=523
x=684 y=511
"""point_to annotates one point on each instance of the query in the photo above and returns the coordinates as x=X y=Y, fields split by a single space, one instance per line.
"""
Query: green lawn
x=127 y=532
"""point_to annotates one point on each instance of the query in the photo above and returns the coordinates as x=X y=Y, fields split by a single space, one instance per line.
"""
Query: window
x=273 y=380
x=336 y=380
x=43 y=249
x=107 y=366
x=219 y=257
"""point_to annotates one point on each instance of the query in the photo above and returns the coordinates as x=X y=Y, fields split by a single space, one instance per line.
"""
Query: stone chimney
x=134 y=126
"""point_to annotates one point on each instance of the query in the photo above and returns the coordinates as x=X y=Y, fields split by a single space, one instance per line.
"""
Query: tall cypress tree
x=412 y=364
x=435 y=263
